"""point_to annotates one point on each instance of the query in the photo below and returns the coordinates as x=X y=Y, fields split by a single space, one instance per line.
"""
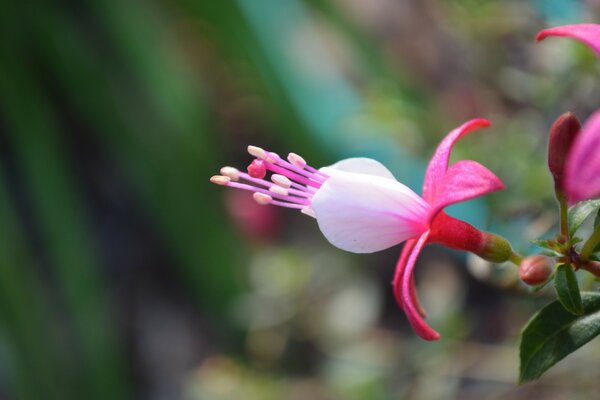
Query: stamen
x=296 y=160
x=231 y=173
x=262 y=199
x=293 y=183
x=279 y=190
x=257 y=152
x=220 y=180
x=272 y=157
x=280 y=180
x=294 y=176
x=292 y=199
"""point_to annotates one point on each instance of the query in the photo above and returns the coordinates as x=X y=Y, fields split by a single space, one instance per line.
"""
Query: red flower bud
x=535 y=270
x=562 y=136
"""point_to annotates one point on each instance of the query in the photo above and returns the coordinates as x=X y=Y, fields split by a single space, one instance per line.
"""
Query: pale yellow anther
x=262 y=199
x=220 y=180
x=230 y=172
x=272 y=157
x=296 y=160
x=281 y=180
x=278 y=190
x=257 y=152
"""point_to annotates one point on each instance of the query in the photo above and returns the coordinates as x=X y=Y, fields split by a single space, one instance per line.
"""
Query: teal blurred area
x=124 y=274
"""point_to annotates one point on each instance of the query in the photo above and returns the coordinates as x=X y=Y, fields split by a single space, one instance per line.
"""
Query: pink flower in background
x=361 y=208
x=588 y=34
x=582 y=167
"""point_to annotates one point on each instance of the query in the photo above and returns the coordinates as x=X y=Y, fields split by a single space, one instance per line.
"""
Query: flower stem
x=515 y=258
x=590 y=245
x=564 y=213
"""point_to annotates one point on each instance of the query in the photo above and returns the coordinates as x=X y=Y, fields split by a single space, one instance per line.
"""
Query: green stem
x=590 y=245
x=564 y=213
x=515 y=258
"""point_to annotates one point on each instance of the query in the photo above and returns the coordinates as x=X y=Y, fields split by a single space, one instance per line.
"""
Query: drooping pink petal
x=463 y=181
x=364 y=213
x=359 y=165
x=410 y=307
x=397 y=282
x=400 y=268
x=439 y=162
x=588 y=34
x=583 y=163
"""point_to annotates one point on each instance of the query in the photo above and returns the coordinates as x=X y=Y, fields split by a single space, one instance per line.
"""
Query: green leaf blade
x=553 y=333
x=579 y=212
x=567 y=289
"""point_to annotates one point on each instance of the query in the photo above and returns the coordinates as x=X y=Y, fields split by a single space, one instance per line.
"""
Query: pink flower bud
x=562 y=136
x=535 y=270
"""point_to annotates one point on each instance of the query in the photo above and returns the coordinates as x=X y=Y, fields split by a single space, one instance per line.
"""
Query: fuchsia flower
x=360 y=207
x=582 y=168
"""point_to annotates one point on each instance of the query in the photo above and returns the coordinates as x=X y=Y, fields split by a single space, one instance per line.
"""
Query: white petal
x=364 y=213
x=359 y=165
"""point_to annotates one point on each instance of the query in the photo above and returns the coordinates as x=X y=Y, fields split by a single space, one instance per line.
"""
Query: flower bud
x=535 y=270
x=562 y=136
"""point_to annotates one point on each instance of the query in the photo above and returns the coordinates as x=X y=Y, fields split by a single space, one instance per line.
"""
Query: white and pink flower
x=360 y=207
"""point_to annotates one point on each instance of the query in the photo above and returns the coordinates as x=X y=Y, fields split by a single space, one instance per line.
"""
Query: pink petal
x=364 y=213
x=588 y=34
x=583 y=163
x=411 y=308
x=439 y=162
x=463 y=181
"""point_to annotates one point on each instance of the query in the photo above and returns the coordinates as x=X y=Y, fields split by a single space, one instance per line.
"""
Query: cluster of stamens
x=292 y=183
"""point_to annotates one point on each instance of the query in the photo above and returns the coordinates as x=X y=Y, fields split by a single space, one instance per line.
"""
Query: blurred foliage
x=124 y=274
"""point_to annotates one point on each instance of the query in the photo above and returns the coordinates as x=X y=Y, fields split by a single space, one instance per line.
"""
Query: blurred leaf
x=553 y=333
x=57 y=207
x=579 y=212
x=567 y=289
x=25 y=312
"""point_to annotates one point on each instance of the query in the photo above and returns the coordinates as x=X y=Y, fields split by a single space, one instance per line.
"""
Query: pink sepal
x=588 y=34
x=439 y=162
x=410 y=306
x=463 y=181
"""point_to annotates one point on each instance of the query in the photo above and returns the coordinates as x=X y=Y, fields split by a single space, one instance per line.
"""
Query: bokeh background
x=124 y=274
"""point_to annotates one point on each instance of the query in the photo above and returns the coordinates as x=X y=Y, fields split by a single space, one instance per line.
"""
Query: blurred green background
x=124 y=274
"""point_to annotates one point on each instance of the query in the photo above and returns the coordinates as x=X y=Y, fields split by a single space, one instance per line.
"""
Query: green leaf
x=567 y=289
x=553 y=333
x=579 y=212
x=597 y=220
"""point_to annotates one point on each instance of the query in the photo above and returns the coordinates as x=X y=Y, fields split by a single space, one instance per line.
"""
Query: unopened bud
x=562 y=136
x=535 y=270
